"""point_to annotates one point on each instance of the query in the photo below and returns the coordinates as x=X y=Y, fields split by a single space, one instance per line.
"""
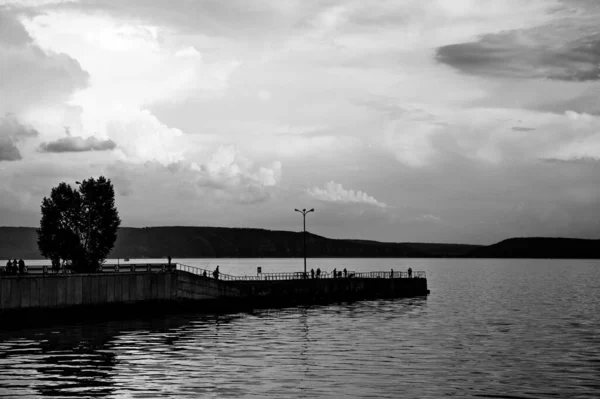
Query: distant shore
x=223 y=242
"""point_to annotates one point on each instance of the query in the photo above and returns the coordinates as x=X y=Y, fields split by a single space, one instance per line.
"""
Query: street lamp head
x=312 y=210
x=77 y=182
x=296 y=210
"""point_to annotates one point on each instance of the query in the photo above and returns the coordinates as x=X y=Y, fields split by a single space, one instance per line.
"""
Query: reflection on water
x=285 y=352
x=501 y=331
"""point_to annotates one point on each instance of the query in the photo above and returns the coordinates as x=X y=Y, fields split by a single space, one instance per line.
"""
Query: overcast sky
x=465 y=121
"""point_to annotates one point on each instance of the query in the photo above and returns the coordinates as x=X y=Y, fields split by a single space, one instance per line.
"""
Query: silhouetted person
x=318 y=272
x=204 y=274
x=216 y=273
x=21 y=266
x=334 y=273
x=55 y=265
x=392 y=273
x=409 y=272
x=15 y=265
x=9 y=267
x=312 y=273
x=345 y=273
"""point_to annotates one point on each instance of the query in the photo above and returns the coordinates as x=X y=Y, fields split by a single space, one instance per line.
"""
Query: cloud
x=175 y=83
x=34 y=3
x=334 y=192
x=77 y=144
x=302 y=146
x=224 y=177
x=425 y=136
x=32 y=76
x=232 y=176
x=534 y=53
x=132 y=66
x=140 y=53
x=410 y=137
x=12 y=132
x=580 y=160
x=429 y=218
x=8 y=150
x=142 y=137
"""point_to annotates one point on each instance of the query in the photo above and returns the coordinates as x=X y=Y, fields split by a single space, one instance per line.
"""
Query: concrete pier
x=35 y=296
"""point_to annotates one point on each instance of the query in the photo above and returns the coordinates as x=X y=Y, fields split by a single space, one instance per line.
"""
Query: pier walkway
x=164 y=267
x=150 y=288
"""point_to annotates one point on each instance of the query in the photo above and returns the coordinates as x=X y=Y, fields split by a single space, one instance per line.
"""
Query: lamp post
x=304 y=212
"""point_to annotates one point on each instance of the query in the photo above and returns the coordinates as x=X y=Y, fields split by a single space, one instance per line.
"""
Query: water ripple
x=484 y=332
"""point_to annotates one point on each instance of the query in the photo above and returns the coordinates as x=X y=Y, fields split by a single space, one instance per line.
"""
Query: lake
x=490 y=328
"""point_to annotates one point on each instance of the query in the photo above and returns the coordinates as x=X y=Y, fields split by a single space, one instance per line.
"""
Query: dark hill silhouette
x=214 y=242
x=224 y=242
x=540 y=247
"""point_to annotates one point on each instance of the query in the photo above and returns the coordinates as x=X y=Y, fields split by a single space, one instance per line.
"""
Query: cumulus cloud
x=77 y=144
x=233 y=176
x=142 y=137
x=12 y=132
x=334 y=192
x=225 y=177
x=147 y=66
x=142 y=53
x=31 y=75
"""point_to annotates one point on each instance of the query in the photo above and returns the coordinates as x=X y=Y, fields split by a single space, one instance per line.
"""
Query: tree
x=79 y=227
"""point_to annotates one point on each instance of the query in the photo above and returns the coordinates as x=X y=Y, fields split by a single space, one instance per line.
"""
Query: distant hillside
x=215 y=242
x=223 y=242
x=540 y=247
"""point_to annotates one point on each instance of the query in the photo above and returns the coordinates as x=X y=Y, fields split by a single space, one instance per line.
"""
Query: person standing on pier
x=55 y=265
x=8 y=267
x=345 y=273
x=15 y=266
x=312 y=273
x=216 y=273
x=409 y=272
x=334 y=273
x=21 y=266
x=318 y=272
x=392 y=273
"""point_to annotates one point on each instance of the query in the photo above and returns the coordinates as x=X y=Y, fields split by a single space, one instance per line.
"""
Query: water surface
x=490 y=328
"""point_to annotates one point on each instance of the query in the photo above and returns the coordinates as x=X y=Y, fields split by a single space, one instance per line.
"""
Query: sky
x=459 y=121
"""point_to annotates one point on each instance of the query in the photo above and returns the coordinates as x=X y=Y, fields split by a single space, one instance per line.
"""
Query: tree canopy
x=79 y=227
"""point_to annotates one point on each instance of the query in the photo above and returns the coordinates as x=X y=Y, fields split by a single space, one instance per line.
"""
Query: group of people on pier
x=15 y=267
x=334 y=273
x=399 y=275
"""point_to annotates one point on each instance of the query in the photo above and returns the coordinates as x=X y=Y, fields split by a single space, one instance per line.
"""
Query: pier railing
x=165 y=267
x=209 y=273
x=297 y=275
x=390 y=274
